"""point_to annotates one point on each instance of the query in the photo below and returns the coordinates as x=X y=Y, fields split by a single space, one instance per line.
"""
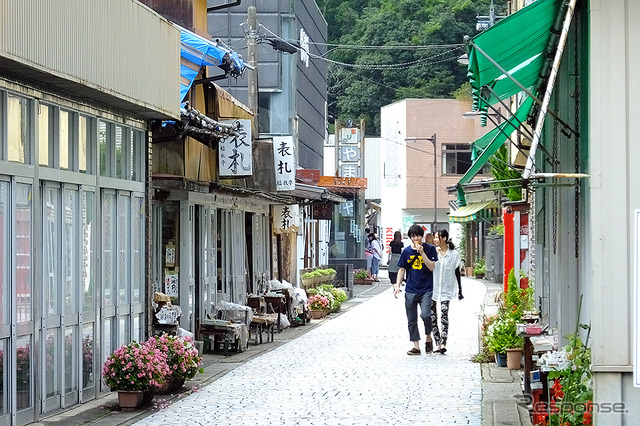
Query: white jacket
x=445 y=284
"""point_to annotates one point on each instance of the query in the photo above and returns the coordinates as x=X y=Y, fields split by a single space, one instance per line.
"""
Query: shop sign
x=234 y=152
x=286 y=218
x=346 y=208
x=407 y=221
x=322 y=211
x=285 y=163
x=171 y=284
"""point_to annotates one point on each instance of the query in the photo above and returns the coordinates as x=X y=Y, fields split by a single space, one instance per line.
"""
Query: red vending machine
x=515 y=217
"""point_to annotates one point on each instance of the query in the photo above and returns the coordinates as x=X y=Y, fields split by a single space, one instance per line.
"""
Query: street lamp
x=432 y=139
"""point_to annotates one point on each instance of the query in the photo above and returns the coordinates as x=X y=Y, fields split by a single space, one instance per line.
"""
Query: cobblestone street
x=351 y=369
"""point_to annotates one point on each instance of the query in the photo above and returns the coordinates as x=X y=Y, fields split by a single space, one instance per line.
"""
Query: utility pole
x=487 y=21
x=432 y=139
x=252 y=78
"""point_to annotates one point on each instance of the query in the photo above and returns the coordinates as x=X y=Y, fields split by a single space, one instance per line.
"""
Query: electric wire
x=404 y=65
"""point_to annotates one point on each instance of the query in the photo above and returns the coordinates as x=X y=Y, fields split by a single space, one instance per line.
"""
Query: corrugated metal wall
x=120 y=47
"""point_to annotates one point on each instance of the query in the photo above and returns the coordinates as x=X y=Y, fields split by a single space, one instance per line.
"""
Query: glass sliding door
x=207 y=241
x=23 y=316
x=64 y=264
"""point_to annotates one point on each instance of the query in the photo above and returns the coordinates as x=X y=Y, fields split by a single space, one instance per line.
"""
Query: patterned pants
x=440 y=334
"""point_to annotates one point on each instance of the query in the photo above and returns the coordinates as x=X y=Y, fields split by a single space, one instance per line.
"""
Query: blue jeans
x=375 y=265
x=411 y=302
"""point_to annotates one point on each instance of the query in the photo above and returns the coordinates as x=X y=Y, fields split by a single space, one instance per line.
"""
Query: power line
x=404 y=65
x=389 y=47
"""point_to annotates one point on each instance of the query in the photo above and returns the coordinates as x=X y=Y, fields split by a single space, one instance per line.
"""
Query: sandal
x=414 y=351
x=428 y=347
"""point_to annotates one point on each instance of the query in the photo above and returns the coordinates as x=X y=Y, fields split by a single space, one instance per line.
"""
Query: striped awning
x=472 y=211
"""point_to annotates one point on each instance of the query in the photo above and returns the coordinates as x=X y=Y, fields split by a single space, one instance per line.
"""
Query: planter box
x=318 y=314
x=363 y=281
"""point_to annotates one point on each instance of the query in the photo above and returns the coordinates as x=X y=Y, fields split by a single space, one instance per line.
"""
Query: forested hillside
x=381 y=51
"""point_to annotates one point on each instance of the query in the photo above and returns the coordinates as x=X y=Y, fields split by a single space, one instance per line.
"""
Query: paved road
x=350 y=370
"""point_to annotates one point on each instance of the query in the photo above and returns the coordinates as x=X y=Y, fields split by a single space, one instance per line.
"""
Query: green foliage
x=360 y=273
x=485 y=354
x=497 y=229
x=517 y=300
x=501 y=171
x=463 y=93
x=359 y=91
x=574 y=383
x=480 y=267
x=502 y=335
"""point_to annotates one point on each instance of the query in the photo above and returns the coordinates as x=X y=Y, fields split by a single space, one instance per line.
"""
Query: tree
x=361 y=80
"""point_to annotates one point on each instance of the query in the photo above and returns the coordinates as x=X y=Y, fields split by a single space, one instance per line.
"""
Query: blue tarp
x=198 y=52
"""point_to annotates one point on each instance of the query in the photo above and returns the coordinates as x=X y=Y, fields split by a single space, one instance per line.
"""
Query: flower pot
x=363 y=281
x=514 y=359
x=501 y=359
x=130 y=400
x=479 y=275
x=319 y=314
x=172 y=384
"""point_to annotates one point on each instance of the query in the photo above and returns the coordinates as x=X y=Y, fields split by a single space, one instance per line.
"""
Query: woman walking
x=444 y=287
x=396 y=247
x=376 y=255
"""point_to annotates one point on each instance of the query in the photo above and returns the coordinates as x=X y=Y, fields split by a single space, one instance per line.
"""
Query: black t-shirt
x=396 y=246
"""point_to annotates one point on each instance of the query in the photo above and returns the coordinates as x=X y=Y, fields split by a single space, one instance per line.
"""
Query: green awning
x=517 y=43
x=487 y=145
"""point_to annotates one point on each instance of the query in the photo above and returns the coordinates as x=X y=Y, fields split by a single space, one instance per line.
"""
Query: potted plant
x=480 y=268
x=307 y=280
x=319 y=305
x=335 y=295
x=502 y=335
x=361 y=276
x=134 y=370
x=327 y=274
x=182 y=358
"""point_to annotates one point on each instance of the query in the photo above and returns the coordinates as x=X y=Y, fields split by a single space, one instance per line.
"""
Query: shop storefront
x=73 y=150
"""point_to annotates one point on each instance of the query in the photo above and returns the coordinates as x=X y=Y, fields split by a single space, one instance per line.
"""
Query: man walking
x=417 y=261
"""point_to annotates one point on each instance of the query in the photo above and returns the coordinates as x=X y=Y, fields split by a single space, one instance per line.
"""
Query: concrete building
x=414 y=185
x=292 y=88
x=74 y=144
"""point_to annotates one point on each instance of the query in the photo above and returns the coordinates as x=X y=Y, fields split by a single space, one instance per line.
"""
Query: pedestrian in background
x=395 y=248
x=418 y=262
x=376 y=255
x=444 y=287
x=428 y=238
x=367 y=249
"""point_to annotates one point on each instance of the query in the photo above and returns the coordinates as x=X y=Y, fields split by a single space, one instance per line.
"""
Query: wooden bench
x=223 y=335
x=260 y=324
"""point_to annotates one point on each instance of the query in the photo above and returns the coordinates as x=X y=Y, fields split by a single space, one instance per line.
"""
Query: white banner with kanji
x=286 y=218
x=234 y=152
x=285 y=163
